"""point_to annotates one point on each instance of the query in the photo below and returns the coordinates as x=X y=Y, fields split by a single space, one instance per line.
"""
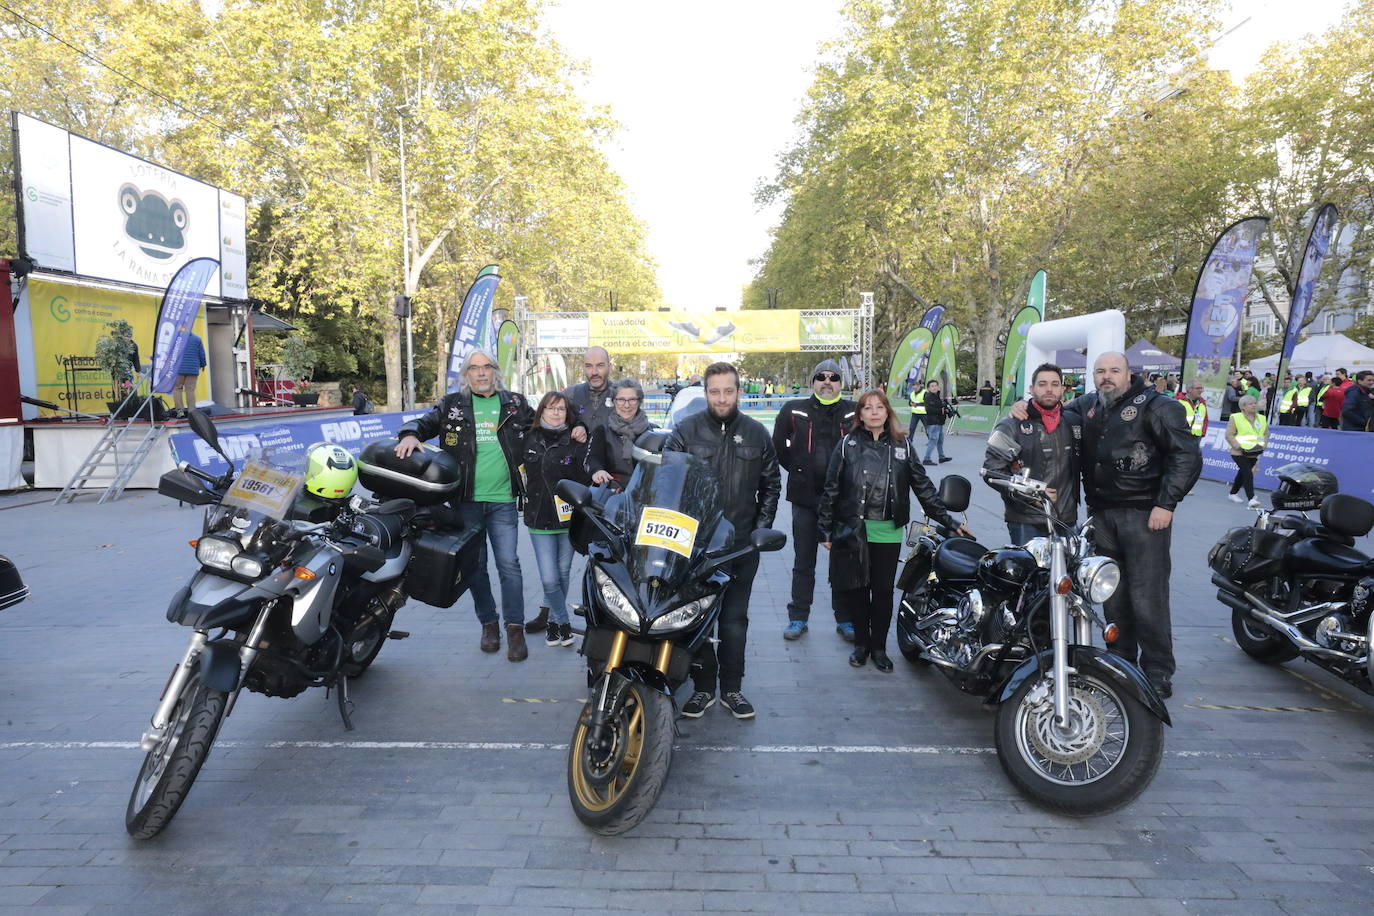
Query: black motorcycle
x=1078 y=730
x=1298 y=587
x=658 y=558
x=301 y=592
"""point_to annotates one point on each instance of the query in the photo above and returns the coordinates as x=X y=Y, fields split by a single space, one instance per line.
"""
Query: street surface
x=853 y=791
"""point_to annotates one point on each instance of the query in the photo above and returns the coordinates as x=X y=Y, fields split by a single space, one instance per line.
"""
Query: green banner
x=1035 y=297
x=835 y=331
x=1014 y=359
x=976 y=419
x=942 y=360
x=507 y=338
x=914 y=348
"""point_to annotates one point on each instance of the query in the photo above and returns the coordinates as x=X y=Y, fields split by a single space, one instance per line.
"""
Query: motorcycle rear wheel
x=170 y=768
x=614 y=797
x=363 y=648
x=1104 y=760
x=1258 y=641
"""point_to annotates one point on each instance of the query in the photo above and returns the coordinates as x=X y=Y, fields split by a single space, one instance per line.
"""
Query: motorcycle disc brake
x=1083 y=737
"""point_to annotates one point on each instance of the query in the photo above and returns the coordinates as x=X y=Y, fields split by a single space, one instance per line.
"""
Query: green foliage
x=114 y=352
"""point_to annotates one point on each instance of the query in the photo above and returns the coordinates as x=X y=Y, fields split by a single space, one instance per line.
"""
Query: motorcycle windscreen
x=669 y=512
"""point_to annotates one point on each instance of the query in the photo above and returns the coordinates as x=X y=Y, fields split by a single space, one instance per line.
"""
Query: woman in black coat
x=612 y=445
x=551 y=455
x=862 y=515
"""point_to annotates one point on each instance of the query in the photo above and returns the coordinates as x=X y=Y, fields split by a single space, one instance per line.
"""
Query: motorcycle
x=1298 y=587
x=12 y=587
x=1078 y=730
x=302 y=592
x=659 y=556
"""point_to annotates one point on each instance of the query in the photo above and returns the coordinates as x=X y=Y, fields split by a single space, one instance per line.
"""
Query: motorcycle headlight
x=615 y=601
x=246 y=566
x=682 y=617
x=217 y=553
x=1098 y=578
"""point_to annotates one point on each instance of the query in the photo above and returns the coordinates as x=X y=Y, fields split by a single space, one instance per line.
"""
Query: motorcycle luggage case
x=12 y=587
x=441 y=567
x=428 y=476
x=1248 y=554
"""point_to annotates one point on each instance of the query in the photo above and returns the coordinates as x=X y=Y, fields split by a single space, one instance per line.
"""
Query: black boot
x=881 y=661
x=859 y=657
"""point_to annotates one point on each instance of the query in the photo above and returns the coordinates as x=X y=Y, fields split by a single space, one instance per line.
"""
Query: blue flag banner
x=1219 y=306
x=1318 y=241
x=930 y=321
x=474 y=329
x=180 y=305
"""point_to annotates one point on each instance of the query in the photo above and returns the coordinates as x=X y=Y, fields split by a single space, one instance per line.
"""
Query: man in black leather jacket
x=741 y=451
x=804 y=435
x=591 y=399
x=1139 y=461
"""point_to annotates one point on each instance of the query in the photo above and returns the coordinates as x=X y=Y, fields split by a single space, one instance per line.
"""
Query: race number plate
x=667 y=529
x=564 y=510
x=263 y=488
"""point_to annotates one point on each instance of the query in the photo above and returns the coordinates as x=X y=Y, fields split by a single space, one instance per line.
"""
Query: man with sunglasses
x=804 y=435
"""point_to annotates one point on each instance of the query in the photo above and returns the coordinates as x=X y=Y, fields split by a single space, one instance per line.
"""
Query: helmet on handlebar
x=1303 y=486
x=330 y=471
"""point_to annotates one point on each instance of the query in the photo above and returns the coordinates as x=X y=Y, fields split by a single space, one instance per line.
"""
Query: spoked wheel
x=170 y=768
x=1258 y=641
x=1102 y=758
x=365 y=643
x=612 y=793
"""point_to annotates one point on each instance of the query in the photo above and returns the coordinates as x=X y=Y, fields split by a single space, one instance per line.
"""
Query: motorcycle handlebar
x=1025 y=486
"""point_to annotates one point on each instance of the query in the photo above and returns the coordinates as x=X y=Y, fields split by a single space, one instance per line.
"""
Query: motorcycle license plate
x=667 y=529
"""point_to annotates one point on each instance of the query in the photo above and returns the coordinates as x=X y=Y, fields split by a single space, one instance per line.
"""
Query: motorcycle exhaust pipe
x=1261 y=612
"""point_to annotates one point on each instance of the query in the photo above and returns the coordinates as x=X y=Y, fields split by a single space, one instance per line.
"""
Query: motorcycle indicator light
x=194 y=542
x=1064 y=586
x=303 y=574
x=1110 y=632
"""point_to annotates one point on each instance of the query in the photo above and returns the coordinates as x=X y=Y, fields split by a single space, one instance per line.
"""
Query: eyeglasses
x=482 y=366
x=626 y=400
x=826 y=377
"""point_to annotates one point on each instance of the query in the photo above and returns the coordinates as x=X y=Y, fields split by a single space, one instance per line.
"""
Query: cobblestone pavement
x=853 y=791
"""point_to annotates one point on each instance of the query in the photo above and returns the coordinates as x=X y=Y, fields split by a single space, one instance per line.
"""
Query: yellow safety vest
x=918 y=401
x=1247 y=436
x=1197 y=416
x=1322 y=393
x=1300 y=398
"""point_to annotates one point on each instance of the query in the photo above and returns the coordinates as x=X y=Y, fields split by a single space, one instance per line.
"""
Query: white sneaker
x=1237 y=498
x=1253 y=504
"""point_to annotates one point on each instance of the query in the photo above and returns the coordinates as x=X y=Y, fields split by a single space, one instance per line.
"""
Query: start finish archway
x=697 y=332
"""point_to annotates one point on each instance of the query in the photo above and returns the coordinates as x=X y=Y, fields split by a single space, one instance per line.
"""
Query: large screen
x=96 y=212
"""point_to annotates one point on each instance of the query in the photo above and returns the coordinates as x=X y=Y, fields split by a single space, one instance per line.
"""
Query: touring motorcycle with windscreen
x=659 y=556
x=291 y=591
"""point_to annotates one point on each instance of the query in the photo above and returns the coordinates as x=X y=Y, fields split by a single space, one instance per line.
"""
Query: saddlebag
x=1248 y=554
x=441 y=567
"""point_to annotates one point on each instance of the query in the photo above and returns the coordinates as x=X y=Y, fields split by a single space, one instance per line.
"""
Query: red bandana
x=1049 y=417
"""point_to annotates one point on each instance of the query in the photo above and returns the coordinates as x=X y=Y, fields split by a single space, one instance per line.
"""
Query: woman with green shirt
x=552 y=455
x=862 y=514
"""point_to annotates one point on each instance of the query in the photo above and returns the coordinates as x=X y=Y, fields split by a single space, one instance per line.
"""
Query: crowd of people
x=1129 y=450
x=1328 y=400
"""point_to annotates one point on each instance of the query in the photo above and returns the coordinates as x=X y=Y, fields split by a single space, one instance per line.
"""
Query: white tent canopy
x=1321 y=353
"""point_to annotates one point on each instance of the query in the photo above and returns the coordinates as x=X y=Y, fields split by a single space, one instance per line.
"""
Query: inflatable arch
x=1100 y=332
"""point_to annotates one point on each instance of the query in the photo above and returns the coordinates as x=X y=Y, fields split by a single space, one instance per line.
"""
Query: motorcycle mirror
x=1002 y=446
x=203 y=426
x=766 y=540
x=574 y=494
x=955 y=492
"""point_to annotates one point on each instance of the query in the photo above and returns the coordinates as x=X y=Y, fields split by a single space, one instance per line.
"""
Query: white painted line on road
x=931 y=750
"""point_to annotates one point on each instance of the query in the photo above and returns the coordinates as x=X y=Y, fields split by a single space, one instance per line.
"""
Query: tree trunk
x=987 y=324
x=395 y=372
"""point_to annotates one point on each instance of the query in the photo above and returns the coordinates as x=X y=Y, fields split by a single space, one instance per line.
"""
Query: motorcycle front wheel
x=170 y=768
x=1101 y=760
x=613 y=794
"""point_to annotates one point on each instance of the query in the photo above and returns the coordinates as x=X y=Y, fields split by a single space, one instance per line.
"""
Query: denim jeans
x=1021 y=532
x=935 y=439
x=501 y=524
x=554 y=553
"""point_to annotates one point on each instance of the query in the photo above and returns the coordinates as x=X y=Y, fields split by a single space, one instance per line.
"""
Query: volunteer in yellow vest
x=1246 y=434
x=918 y=407
x=1295 y=402
x=1195 y=408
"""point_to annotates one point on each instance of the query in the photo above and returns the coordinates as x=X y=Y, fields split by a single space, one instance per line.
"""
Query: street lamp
x=408 y=400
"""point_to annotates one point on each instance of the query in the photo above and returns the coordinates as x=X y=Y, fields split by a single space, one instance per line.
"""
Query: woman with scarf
x=862 y=515
x=552 y=455
x=612 y=446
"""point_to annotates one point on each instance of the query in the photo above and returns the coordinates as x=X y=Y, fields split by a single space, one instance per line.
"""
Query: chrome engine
x=956 y=634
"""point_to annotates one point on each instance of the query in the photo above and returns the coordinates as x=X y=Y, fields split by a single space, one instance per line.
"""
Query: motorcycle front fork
x=1060 y=640
x=610 y=691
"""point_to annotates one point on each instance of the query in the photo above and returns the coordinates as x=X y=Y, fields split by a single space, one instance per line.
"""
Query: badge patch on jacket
x=1027 y=429
x=899 y=454
x=450 y=439
x=1128 y=413
x=1140 y=398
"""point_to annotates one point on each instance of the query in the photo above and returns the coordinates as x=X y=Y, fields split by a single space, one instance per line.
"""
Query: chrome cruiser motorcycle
x=1298 y=587
x=658 y=558
x=1078 y=730
x=301 y=592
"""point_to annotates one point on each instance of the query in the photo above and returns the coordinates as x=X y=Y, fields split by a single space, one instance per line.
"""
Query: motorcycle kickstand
x=345 y=704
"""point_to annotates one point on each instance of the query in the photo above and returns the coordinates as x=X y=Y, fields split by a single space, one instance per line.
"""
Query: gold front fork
x=617 y=653
x=665 y=655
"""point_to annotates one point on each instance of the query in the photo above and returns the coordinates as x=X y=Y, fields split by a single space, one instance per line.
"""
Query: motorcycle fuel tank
x=1006 y=570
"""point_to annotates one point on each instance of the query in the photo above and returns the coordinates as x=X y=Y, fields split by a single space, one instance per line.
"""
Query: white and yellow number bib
x=564 y=510
x=667 y=529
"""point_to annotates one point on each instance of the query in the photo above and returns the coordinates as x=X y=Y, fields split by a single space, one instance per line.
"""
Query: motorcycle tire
x=170 y=768
x=362 y=649
x=1258 y=641
x=906 y=642
x=644 y=736
x=1045 y=765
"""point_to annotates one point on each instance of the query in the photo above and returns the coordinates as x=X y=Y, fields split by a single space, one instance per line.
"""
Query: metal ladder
x=107 y=463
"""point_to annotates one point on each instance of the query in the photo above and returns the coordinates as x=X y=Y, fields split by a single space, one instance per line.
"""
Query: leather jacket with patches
x=741 y=451
x=452 y=421
x=804 y=435
x=548 y=458
x=1138 y=453
x=1051 y=456
x=589 y=408
x=873 y=479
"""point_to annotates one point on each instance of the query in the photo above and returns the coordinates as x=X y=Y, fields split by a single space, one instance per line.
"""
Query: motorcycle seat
x=402 y=507
x=957 y=559
x=1325 y=555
